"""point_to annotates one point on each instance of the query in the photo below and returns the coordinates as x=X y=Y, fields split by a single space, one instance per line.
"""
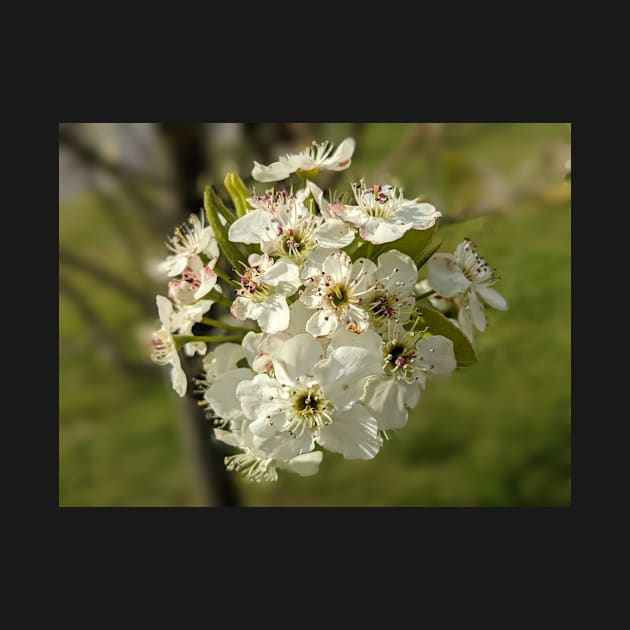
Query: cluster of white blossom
x=346 y=335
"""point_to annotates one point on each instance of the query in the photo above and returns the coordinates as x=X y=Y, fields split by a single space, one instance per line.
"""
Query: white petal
x=222 y=394
x=353 y=433
x=353 y=214
x=223 y=358
x=318 y=195
x=260 y=397
x=421 y=216
x=174 y=265
x=338 y=265
x=314 y=262
x=251 y=345
x=384 y=398
x=464 y=320
x=283 y=446
x=435 y=353
x=195 y=347
x=241 y=308
x=227 y=437
x=272 y=314
x=341 y=158
x=296 y=359
x=477 y=312
x=208 y=280
x=379 y=231
x=165 y=311
x=445 y=275
x=397 y=271
x=283 y=270
x=252 y=227
x=298 y=161
x=178 y=377
x=341 y=374
x=299 y=315
x=272 y=173
x=368 y=340
x=306 y=464
x=493 y=298
x=322 y=324
x=356 y=319
x=265 y=426
x=334 y=233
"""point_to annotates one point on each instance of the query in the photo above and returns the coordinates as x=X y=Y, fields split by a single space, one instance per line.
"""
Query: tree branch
x=106 y=277
x=108 y=342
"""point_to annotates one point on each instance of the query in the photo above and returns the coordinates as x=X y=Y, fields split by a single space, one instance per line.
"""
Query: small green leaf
x=238 y=192
x=440 y=325
x=230 y=251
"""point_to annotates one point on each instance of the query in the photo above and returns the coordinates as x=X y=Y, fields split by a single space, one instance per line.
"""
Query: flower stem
x=219 y=324
x=425 y=295
x=354 y=247
x=219 y=298
x=224 y=276
x=181 y=340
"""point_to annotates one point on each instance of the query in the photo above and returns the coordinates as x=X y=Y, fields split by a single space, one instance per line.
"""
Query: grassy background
x=497 y=433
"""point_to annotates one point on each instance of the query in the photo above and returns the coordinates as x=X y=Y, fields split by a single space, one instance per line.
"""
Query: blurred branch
x=124 y=176
x=189 y=156
x=90 y=156
x=108 y=342
x=417 y=136
x=215 y=483
x=104 y=276
x=111 y=209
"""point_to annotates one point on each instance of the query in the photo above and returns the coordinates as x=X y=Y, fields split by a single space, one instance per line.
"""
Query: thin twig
x=106 y=277
x=109 y=343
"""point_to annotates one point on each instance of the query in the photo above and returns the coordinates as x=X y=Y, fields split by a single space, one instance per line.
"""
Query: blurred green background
x=496 y=434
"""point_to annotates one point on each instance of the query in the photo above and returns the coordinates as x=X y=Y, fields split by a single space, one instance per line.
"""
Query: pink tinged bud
x=280 y=230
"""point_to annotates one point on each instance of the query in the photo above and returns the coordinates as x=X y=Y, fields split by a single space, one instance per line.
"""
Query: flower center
x=378 y=201
x=399 y=358
x=339 y=296
x=385 y=305
x=309 y=410
x=251 y=286
x=291 y=242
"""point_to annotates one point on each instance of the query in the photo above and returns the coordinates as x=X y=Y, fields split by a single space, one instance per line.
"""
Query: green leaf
x=230 y=251
x=440 y=325
x=238 y=192
x=412 y=243
x=428 y=251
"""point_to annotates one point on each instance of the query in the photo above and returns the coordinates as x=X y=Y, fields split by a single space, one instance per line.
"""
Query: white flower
x=408 y=358
x=464 y=277
x=337 y=295
x=197 y=280
x=182 y=317
x=188 y=240
x=283 y=226
x=309 y=161
x=395 y=280
x=383 y=214
x=312 y=399
x=164 y=351
x=262 y=296
x=255 y=465
x=221 y=376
